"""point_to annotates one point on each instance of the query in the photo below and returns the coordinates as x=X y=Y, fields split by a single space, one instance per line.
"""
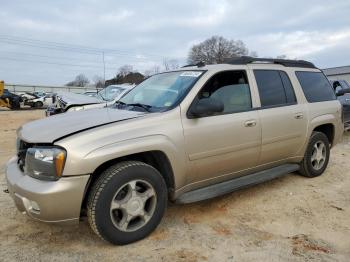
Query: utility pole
x=104 y=68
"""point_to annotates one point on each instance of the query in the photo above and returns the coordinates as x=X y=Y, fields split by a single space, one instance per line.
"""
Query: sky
x=50 y=42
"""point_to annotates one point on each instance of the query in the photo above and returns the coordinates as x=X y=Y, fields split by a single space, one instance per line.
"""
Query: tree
x=124 y=70
x=99 y=82
x=215 y=50
x=170 y=64
x=80 y=80
x=154 y=70
x=130 y=78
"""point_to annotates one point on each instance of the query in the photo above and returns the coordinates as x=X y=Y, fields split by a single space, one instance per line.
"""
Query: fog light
x=35 y=206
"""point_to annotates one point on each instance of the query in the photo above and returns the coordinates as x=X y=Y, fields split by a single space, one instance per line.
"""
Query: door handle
x=298 y=116
x=249 y=123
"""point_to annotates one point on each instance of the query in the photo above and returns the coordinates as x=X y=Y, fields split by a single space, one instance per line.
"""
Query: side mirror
x=342 y=92
x=339 y=92
x=206 y=107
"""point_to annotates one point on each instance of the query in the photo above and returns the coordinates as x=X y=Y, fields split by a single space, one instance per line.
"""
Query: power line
x=53 y=63
x=133 y=58
x=67 y=47
x=46 y=56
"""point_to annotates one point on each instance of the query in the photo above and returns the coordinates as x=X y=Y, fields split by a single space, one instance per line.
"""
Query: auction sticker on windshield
x=191 y=73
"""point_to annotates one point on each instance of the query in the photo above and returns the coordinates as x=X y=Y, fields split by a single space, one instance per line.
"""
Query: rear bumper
x=48 y=201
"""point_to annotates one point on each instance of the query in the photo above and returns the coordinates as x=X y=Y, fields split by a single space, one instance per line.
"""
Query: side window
x=316 y=86
x=275 y=88
x=288 y=88
x=231 y=88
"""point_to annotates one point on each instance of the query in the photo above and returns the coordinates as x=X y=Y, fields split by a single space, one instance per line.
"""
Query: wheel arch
x=325 y=124
x=155 y=158
x=327 y=129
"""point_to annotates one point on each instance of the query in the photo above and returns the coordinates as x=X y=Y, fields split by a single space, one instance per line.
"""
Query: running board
x=236 y=184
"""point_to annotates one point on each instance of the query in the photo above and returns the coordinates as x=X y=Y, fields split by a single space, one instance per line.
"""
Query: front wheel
x=316 y=156
x=38 y=104
x=127 y=202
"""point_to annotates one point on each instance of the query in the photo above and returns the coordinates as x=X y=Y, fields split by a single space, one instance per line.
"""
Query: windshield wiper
x=146 y=107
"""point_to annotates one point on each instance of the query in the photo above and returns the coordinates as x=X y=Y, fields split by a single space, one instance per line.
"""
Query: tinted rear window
x=316 y=86
x=274 y=88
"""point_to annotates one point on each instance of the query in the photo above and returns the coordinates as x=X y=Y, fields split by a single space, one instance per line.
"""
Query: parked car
x=27 y=96
x=67 y=102
x=342 y=91
x=39 y=93
x=40 y=101
x=185 y=136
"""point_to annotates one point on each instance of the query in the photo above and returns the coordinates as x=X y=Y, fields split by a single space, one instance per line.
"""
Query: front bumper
x=48 y=201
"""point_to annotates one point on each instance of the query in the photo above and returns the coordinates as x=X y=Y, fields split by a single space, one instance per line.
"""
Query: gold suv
x=186 y=135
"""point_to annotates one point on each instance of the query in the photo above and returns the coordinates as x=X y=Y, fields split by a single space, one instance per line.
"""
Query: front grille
x=21 y=153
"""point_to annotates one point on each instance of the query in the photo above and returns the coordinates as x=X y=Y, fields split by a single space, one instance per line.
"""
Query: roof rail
x=242 y=60
x=199 y=64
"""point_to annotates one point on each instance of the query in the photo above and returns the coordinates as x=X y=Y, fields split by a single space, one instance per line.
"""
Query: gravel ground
x=288 y=219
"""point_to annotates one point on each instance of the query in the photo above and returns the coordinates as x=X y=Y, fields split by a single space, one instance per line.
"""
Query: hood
x=49 y=129
x=78 y=99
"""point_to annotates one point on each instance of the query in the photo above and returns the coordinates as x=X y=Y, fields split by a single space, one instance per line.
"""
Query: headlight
x=45 y=163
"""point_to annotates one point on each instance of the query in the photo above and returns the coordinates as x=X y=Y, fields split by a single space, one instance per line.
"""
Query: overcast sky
x=143 y=33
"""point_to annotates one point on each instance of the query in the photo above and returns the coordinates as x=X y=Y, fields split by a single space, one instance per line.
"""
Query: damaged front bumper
x=48 y=201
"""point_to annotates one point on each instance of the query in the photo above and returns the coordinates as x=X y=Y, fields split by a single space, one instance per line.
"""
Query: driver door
x=218 y=146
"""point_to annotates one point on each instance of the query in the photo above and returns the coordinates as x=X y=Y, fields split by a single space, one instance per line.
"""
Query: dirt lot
x=288 y=219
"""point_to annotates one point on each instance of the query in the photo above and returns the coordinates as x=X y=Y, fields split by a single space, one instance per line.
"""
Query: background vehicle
x=8 y=99
x=186 y=135
x=91 y=93
x=67 y=102
x=36 y=101
x=342 y=91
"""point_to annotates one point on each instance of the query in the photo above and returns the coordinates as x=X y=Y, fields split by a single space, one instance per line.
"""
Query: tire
x=15 y=104
x=309 y=166
x=115 y=184
x=38 y=104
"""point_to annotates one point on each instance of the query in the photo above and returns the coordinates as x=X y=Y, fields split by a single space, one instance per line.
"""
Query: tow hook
x=6 y=191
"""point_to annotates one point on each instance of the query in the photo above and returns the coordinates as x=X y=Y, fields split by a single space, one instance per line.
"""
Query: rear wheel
x=127 y=202
x=316 y=156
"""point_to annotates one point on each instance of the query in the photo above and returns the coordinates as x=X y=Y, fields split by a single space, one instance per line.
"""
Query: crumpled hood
x=49 y=129
x=78 y=99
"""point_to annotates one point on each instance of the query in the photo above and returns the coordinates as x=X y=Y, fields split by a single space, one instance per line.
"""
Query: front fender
x=96 y=157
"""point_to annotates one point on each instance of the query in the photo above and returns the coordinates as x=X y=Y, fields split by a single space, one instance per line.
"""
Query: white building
x=338 y=73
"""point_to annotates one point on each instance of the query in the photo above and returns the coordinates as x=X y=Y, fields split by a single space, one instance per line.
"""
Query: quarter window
x=231 y=88
x=275 y=88
x=316 y=86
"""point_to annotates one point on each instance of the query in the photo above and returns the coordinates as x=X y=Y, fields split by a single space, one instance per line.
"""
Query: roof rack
x=242 y=60
x=199 y=64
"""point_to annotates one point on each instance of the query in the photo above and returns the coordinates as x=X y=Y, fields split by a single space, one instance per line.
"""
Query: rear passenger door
x=283 y=120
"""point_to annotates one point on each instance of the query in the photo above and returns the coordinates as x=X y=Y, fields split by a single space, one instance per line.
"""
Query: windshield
x=111 y=92
x=161 y=91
